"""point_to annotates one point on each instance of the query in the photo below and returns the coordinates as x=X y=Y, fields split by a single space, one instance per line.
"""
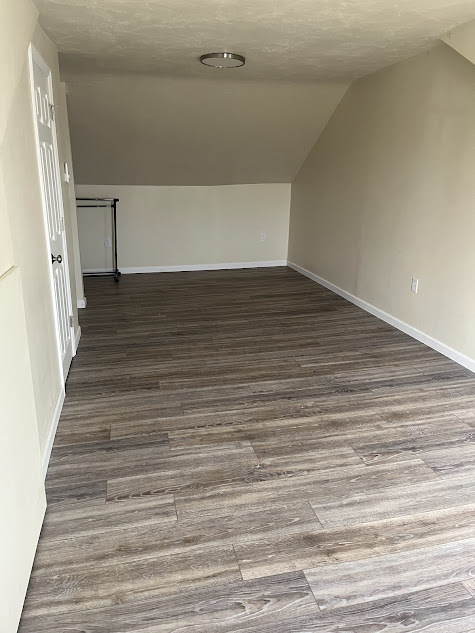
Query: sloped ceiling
x=143 y=110
x=147 y=130
x=462 y=39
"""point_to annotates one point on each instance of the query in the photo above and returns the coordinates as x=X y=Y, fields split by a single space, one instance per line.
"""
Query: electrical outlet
x=414 y=285
x=263 y=237
x=108 y=242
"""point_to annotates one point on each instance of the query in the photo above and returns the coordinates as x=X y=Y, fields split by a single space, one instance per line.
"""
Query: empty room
x=237 y=316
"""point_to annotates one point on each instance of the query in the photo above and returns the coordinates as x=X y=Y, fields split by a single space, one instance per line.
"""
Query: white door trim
x=35 y=57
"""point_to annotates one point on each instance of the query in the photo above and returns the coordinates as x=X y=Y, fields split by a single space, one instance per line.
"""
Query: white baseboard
x=82 y=303
x=190 y=267
x=52 y=432
x=453 y=354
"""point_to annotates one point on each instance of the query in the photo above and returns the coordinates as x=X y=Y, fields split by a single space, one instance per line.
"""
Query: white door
x=53 y=206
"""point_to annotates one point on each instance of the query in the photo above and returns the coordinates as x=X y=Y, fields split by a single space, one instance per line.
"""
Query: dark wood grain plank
x=454 y=459
x=254 y=412
x=188 y=469
x=304 y=550
x=447 y=609
x=146 y=533
x=317 y=486
x=394 y=501
x=109 y=583
x=70 y=521
x=392 y=574
x=228 y=605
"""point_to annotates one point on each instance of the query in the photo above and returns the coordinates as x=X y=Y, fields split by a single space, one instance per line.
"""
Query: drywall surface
x=30 y=249
x=69 y=200
x=50 y=54
x=23 y=204
x=388 y=194
x=28 y=380
x=175 y=226
x=281 y=39
x=22 y=221
x=462 y=39
x=17 y=22
x=22 y=496
x=146 y=130
x=6 y=249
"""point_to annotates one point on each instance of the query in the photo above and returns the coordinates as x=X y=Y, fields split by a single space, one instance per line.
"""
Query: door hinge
x=52 y=110
x=71 y=322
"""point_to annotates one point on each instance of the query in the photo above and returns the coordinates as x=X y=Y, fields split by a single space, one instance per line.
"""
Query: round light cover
x=223 y=60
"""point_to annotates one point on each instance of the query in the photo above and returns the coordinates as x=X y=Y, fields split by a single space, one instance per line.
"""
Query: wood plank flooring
x=246 y=451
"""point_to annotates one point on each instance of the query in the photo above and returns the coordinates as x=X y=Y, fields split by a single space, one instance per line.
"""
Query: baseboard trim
x=82 y=303
x=133 y=270
x=52 y=432
x=453 y=354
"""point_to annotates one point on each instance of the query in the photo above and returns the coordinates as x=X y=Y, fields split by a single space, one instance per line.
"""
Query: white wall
x=388 y=193
x=462 y=39
x=30 y=249
x=22 y=496
x=183 y=226
x=29 y=369
x=69 y=197
x=30 y=377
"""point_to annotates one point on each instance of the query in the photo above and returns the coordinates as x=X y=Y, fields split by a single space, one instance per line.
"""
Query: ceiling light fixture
x=223 y=60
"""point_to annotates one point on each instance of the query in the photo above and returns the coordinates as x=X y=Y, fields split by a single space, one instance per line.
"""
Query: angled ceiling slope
x=144 y=111
x=146 y=130
x=462 y=39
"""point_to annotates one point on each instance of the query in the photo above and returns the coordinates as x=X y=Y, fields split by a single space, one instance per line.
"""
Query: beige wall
x=388 y=193
x=30 y=250
x=17 y=22
x=69 y=198
x=148 y=130
x=29 y=372
x=50 y=54
x=23 y=202
x=30 y=379
x=176 y=226
x=22 y=496
x=462 y=39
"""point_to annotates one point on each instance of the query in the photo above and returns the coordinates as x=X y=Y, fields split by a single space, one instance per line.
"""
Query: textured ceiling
x=297 y=40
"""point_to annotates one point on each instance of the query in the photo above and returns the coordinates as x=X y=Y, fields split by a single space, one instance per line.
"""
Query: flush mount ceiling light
x=223 y=60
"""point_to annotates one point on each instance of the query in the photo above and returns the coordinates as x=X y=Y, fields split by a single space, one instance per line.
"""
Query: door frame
x=35 y=57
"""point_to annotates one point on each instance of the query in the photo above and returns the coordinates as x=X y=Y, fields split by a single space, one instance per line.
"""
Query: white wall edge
x=52 y=432
x=77 y=337
x=190 y=267
x=82 y=303
x=453 y=354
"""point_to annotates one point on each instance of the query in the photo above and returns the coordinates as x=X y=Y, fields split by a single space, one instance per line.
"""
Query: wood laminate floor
x=246 y=451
